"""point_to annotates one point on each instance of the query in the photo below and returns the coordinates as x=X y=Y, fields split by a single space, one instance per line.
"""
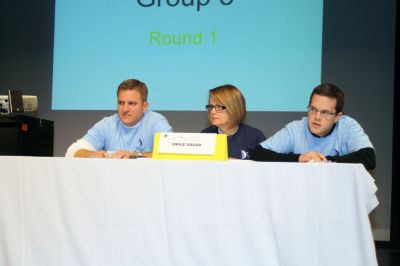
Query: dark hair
x=134 y=84
x=331 y=91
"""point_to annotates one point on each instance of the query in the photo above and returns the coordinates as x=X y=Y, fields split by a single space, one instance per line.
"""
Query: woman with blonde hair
x=226 y=113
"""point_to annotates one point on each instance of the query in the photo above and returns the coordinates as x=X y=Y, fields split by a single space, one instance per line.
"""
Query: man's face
x=130 y=107
x=319 y=123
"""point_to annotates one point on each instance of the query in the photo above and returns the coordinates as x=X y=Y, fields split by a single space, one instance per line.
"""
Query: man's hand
x=82 y=153
x=122 y=155
x=126 y=154
x=312 y=156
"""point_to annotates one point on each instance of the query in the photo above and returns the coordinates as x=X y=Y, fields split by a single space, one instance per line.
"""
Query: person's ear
x=145 y=106
x=338 y=116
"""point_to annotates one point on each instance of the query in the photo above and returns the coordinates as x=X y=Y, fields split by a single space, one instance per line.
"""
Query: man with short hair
x=130 y=132
x=324 y=135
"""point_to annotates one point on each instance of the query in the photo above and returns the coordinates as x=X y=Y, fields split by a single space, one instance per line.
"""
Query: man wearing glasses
x=324 y=135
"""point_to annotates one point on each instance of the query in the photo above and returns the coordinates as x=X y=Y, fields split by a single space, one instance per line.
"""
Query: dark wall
x=358 y=56
x=395 y=213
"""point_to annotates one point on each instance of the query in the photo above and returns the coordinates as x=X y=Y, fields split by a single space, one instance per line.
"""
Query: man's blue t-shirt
x=111 y=134
x=346 y=137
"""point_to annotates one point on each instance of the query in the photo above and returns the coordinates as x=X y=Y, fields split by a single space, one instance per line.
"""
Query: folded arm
x=366 y=156
x=262 y=154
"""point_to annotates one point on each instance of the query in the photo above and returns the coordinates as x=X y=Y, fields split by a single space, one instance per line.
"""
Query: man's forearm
x=366 y=156
x=261 y=154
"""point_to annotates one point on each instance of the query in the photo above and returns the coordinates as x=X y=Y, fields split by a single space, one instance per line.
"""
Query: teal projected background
x=270 y=49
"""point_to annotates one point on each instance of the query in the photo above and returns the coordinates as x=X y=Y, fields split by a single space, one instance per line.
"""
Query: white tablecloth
x=58 y=211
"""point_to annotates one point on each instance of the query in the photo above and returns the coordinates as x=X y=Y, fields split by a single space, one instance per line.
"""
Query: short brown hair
x=230 y=97
x=134 y=84
x=331 y=91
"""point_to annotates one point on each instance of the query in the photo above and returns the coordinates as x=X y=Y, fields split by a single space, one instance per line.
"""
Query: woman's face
x=219 y=118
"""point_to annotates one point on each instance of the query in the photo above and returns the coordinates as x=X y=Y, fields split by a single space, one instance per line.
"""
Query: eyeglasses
x=217 y=107
x=324 y=113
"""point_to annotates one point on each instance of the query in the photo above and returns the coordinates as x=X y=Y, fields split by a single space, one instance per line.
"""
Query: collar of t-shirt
x=236 y=132
x=330 y=132
x=131 y=129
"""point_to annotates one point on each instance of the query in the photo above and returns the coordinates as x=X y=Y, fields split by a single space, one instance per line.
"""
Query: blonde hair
x=230 y=97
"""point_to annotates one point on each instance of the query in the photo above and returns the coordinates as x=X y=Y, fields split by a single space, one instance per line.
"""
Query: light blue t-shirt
x=111 y=134
x=346 y=137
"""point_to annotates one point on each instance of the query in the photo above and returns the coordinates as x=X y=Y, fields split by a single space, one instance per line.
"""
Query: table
x=62 y=211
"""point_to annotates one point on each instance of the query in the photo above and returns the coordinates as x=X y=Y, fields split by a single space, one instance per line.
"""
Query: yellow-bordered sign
x=219 y=153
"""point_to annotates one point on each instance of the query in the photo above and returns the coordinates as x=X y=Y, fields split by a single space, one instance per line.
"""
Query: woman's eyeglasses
x=217 y=107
